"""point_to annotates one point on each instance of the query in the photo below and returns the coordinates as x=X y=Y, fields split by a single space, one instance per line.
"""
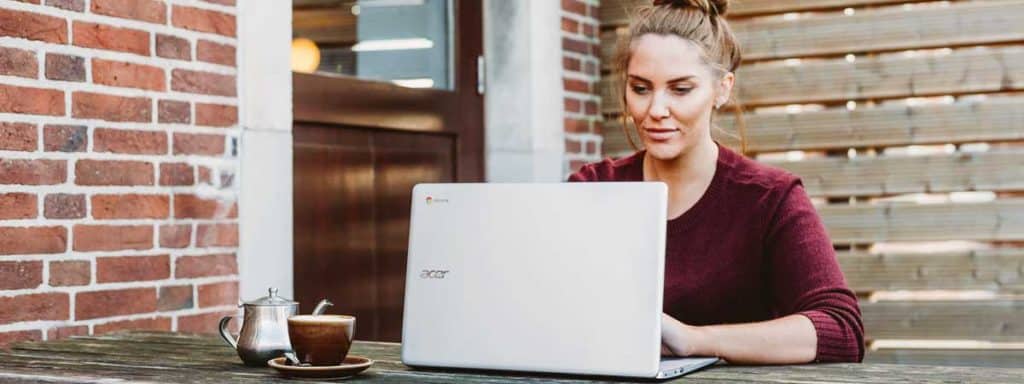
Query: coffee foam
x=321 y=319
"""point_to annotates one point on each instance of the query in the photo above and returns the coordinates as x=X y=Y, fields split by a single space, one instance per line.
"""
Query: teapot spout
x=321 y=307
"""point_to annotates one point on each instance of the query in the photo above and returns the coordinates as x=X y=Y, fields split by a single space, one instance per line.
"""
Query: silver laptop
x=559 y=278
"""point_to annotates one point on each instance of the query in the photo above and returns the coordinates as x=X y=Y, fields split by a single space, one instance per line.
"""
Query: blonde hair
x=701 y=22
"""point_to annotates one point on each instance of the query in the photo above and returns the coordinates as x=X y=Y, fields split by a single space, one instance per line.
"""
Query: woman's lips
x=660 y=134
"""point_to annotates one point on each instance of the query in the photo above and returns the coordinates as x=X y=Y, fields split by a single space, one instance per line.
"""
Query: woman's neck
x=694 y=166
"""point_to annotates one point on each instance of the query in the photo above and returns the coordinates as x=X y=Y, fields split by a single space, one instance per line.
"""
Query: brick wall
x=118 y=132
x=581 y=79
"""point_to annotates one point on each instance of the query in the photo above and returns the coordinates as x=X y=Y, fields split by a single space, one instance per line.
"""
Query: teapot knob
x=273 y=292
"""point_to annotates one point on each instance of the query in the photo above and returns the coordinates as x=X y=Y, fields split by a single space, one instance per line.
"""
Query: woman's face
x=670 y=93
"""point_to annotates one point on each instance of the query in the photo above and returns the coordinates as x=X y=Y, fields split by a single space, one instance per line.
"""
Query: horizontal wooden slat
x=616 y=12
x=994 y=119
x=1001 y=170
x=1000 y=270
x=898 y=76
x=948 y=357
x=867 y=223
x=332 y=26
x=959 y=24
x=988 y=320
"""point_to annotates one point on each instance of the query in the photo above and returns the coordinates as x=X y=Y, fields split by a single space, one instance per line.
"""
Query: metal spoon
x=321 y=307
x=294 y=360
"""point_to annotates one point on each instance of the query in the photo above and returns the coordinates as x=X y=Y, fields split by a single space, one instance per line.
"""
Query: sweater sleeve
x=805 y=277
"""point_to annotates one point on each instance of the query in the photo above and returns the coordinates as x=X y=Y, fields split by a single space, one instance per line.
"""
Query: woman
x=751 y=275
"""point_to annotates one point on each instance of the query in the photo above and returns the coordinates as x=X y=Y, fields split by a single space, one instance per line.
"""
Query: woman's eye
x=639 y=89
x=682 y=91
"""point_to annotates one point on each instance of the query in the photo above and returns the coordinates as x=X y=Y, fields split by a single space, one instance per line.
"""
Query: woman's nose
x=659 y=106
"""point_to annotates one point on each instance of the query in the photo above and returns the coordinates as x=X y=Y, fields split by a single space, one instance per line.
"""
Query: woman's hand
x=678 y=339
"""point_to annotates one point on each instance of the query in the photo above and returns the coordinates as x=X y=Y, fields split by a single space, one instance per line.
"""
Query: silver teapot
x=264 y=333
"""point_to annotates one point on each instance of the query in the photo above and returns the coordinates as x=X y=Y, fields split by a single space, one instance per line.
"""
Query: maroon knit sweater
x=751 y=249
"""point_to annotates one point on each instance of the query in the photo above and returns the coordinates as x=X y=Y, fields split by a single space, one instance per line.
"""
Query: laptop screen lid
x=563 y=278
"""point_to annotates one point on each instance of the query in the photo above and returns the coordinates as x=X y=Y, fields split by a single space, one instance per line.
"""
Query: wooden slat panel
x=840 y=176
x=991 y=320
x=995 y=119
x=948 y=357
x=959 y=24
x=830 y=81
x=867 y=223
x=996 y=270
x=616 y=12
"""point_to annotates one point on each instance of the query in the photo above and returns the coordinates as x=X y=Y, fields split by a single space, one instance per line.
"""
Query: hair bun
x=710 y=7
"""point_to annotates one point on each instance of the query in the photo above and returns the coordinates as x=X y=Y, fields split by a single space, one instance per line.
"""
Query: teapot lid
x=272 y=300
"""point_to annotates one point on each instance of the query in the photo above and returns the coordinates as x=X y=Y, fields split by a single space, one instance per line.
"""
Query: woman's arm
x=787 y=340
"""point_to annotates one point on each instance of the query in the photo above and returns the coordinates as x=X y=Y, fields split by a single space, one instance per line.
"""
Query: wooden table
x=177 y=358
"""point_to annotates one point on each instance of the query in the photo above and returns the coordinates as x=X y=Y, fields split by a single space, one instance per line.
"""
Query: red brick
x=592 y=148
x=171 y=111
x=34 y=101
x=176 y=174
x=101 y=36
x=216 y=115
x=574 y=85
x=591 y=108
x=34 y=307
x=577 y=126
x=210 y=52
x=129 y=75
x=9 y=338
x=218 y=294
x=173 y=47
x=205 y=323
x=203 y=20
x=144 y=10
x=153 y=324
x=572 y=105
x=97 y=304
x=175 y=235
x=217 y=235
x=65 y=138
x=194 y=207
x=18 y=206
x=591 y=69
x=206 y=83
x=572 y=146
x=64 y=206
x=33 y=26
x=70 y=273
x=66 y=332
x=71 y=5
x=571 y=64
x=575 y=46
x=18 y=137
x=103 y=172
x=198 y=144
x=205 y=175
x=130 y=206
x=18 y=62
x=589 y=30
x=89 y=105
x=205 y=266
x=129 y=141
x=33 y=172
x=20 y=274
x=132 y=268
x=593 y=12
x=65 y=67
x=570 y=25
x=175 y=298
x=574 y=6
x=112 y=237
x=32 y=240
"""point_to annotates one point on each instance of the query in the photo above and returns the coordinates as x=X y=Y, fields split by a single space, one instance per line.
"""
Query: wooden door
x=359 y=147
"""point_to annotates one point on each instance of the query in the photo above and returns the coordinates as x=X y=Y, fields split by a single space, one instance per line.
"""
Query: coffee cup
x=321 y=339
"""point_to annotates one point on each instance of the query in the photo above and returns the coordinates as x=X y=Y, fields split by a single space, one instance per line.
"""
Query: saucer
x=350 y=367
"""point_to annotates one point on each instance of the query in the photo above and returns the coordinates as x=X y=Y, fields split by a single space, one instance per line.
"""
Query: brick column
x=581 y=79
x=118 y=155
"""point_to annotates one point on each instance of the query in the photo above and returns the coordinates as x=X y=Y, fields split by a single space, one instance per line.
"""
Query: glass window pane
x=407 y=42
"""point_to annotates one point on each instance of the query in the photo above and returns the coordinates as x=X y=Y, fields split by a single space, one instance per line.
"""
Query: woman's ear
x=725 y=89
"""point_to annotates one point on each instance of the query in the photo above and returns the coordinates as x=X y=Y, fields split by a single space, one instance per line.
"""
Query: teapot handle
x=224 y=334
